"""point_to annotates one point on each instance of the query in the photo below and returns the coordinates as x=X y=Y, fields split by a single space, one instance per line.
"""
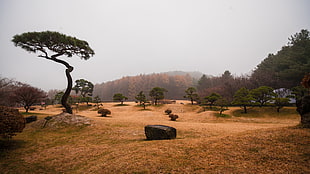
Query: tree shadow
x=6 y=146
x=105 y=116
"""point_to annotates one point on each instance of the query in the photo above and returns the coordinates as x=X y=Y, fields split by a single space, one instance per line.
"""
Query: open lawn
x=258 y=142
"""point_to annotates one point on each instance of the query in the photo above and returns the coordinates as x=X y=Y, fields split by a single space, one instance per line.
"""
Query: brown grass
x=205 y=144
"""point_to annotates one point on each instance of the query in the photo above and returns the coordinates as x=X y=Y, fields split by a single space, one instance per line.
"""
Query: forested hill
x=285 y=69
x=176 y=82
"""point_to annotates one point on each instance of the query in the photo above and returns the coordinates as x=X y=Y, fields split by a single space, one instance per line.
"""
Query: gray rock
x=159 y=132
x=31 y=118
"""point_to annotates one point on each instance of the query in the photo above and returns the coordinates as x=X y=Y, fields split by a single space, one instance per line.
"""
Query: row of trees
x=156 y=94
x=244 y=97
x=13 y=93
x=283 y=69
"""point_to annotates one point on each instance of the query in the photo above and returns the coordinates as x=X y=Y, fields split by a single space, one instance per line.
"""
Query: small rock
x=31 y=118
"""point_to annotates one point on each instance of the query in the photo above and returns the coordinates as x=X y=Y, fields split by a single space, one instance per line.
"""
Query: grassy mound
x=62 y=120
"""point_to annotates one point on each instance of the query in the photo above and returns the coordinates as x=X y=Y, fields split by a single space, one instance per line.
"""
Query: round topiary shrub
x=104 y=112
x=168 y=111
x=11 y=122
x=173 y=117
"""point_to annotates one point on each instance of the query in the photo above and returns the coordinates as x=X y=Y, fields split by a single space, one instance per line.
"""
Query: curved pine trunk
x=66 y=95
x=67 y=92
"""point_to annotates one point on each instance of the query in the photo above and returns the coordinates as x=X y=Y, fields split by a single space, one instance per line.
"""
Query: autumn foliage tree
x=53 y=45
x=27 y=96
x=226 y=85
x=130 y=86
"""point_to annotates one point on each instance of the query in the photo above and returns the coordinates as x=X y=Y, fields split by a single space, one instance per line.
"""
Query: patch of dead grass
x=204 y=144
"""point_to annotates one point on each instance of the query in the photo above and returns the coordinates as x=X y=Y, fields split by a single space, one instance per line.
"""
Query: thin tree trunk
x=245 y=111
x=26 y=108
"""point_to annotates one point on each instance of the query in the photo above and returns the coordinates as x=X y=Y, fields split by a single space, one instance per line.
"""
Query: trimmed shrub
x=168 y=111
x=104 y=112
x=11 y=122
x=173 y=117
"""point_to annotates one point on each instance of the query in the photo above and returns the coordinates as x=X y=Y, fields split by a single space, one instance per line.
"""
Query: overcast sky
x=132 y=37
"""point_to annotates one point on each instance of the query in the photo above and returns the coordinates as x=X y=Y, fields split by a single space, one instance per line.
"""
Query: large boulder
x=159 y=132
x=303 y=108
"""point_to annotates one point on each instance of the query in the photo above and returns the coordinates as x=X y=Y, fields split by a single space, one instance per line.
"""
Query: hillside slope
x=175 y=82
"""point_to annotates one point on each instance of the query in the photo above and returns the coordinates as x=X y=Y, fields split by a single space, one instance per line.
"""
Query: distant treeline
x=285 y=69
x=131 y=86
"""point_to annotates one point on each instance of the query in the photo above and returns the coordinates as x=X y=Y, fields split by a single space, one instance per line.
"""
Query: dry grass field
x=254 y=143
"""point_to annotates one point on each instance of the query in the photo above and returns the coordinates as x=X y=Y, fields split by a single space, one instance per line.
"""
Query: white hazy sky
x=132 y=37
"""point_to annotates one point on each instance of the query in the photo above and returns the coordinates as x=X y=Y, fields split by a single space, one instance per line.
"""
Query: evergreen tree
x=212 y=98
x=191 y=94
x=157 y=93
x=61 y=45
x=119 y=97
x=243 y=98
x=286 y=68
x=262 y=95
x=85 y=88
x=141 y=98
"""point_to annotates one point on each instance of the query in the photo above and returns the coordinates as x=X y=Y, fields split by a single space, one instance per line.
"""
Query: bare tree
x=27 y=96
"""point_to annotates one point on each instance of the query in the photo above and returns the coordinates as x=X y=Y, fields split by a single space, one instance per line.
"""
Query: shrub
x=104 y=112
x=11 y=122
x=168 y=111
x=173 y=117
